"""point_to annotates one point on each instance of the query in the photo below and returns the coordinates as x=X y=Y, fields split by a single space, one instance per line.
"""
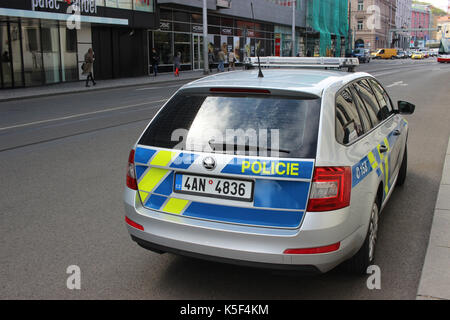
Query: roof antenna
x=260 y=74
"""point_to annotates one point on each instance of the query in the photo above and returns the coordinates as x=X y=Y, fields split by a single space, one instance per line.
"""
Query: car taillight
x=131 y=175
x=330 y=190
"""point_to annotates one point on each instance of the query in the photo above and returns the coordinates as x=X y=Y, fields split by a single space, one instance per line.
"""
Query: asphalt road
x=62 y=168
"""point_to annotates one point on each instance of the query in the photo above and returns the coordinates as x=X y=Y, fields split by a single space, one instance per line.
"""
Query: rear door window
x=370 y=102
x=383 y=99
x=363 y=115
x=242 y=125
x=348 y=124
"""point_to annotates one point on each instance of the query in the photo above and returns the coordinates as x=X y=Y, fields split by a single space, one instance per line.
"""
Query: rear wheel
x=403 y=168
x=365 y=256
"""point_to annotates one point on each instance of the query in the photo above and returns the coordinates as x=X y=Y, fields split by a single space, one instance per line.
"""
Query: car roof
x=311 y=81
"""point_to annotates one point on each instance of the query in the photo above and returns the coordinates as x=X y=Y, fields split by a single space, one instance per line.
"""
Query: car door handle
x=383 y=148
x=397 y=132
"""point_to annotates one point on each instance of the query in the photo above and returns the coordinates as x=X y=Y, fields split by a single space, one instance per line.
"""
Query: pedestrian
x=210 y=60
x=177 y=64
x=89 y=58
x=155 y=61
x=221 y=57
x=231 y=60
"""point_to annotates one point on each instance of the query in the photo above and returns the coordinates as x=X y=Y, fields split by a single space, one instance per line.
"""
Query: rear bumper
x=244 y=245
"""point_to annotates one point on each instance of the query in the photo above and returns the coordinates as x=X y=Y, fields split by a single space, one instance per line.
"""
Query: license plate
x=214 y=187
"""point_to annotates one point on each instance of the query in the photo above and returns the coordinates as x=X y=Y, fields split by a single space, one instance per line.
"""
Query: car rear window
x=270 y=126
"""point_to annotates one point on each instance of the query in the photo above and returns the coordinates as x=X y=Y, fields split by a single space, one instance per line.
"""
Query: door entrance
x=197 y=54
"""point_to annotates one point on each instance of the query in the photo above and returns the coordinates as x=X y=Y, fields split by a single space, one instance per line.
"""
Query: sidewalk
x=435 y=279
x=79 y=86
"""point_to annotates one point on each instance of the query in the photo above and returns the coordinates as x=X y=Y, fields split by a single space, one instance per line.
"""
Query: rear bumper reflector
x=133 y=224
x=325 y=249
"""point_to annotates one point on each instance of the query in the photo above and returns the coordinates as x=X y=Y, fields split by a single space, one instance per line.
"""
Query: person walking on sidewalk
x=210 y=60
x=89 y=58
x=155 y=61
x=177 y=64
x=231 y=61
x=221 y=56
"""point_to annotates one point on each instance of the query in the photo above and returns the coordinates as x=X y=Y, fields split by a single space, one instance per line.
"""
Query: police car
x=288 y=169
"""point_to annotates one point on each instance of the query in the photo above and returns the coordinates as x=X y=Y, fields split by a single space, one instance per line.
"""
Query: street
x=63 y=165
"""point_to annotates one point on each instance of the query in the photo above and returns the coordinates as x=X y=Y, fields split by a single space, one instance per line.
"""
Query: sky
x=441 y=4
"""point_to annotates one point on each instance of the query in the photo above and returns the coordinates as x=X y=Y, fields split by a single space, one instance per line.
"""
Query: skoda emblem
x=209 y=163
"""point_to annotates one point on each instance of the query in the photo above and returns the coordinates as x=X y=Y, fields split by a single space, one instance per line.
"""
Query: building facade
x=403 y=16
x=44 y=41
x=443 y=24
x=420 y=19
x=371 y=23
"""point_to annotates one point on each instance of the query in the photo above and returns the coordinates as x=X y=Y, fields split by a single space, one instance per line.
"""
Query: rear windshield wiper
x=246 y=147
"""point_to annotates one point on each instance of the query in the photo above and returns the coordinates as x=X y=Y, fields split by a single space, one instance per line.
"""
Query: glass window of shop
x=138 y=5
x=224 y=33
x=36 y=52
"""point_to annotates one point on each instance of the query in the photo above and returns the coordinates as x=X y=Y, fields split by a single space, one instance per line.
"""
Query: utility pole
x=293 y=28
x=205 y=38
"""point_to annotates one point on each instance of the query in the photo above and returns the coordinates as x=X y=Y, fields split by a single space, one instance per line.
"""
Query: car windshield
x=241 y=125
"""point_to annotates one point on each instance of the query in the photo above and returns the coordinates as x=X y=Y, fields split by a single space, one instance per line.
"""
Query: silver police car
x=290 y=169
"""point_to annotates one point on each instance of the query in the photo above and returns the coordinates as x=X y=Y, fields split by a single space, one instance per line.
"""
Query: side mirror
x=405 y=107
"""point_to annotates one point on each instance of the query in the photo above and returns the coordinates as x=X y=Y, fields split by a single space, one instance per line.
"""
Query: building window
x=360 y=24
x=360 y=5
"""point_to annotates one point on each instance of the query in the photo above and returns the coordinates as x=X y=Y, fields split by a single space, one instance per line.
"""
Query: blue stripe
x=258 y=217
x=183 y=161
x=165 y=188
x=361 y=170
x=281 y=194
x=140 y=171
x=143 y=155
x=155 y=202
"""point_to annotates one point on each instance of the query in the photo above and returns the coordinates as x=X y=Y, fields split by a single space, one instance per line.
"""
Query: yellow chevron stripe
x=175 y=205
x=163 y=158
x=372 y=160
x=386 y=170
x=151 y=179
x=386 y=142
x=143 y=196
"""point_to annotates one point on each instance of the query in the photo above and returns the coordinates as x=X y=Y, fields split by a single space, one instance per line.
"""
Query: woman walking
x=89 y=58
x=177 y=64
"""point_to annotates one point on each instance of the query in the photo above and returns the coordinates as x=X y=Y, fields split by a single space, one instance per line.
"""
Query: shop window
x=69 y=65
x=181 y=16
x=144 y=5
x=6 y=74
x=163 y=45
x=32 y=54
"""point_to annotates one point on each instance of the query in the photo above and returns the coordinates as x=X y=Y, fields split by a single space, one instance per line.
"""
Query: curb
x=83 y=90
x=435 y=277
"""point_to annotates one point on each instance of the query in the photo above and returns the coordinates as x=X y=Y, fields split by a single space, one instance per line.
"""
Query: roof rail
x=303 y=62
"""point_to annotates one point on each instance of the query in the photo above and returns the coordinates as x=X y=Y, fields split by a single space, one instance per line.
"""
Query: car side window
x=348 y=125
x=383 y=99
x=370 y=102
x=363 y=114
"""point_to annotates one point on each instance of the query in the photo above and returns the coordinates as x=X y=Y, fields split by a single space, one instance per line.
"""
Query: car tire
x=403 y=168
x=359 y=263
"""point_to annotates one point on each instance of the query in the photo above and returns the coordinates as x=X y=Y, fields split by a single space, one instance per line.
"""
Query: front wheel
x=365 y=256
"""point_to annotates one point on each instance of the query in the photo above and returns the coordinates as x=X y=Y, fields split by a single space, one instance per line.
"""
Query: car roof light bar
x=303 y=62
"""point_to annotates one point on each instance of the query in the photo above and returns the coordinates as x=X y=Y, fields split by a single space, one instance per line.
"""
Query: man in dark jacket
x=155 y=61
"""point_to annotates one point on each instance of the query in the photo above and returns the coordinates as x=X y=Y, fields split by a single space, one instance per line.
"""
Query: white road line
x=398 y=83
x=154 y=88
x=81 y=115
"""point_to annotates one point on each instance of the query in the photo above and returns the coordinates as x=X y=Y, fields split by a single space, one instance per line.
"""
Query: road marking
x=154 y=88
x=81 y=114
x=398 y=83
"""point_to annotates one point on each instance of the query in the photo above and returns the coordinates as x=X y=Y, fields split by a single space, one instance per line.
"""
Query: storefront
x=44 y=41
x=182 y=31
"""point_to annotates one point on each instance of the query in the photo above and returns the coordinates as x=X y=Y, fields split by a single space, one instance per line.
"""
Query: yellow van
x=386 y=53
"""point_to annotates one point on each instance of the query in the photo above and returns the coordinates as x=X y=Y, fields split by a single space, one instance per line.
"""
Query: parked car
x=401 y=55
x=309 y=205
x=362 y=54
